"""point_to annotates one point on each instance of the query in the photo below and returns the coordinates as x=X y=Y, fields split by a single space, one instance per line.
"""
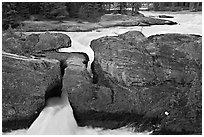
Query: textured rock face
x=77 y=81
x=64 y=56
x=26 y=45
x=157 y=77
x=26 y=83
x=52 y=41
x=82 y=93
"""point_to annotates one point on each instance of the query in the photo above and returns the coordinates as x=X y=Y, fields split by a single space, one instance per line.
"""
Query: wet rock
x=27 y=45
x=157 y=77
x=165 y=16
x=26 y=84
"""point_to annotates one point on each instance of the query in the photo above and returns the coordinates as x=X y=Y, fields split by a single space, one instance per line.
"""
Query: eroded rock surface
x=158 y=77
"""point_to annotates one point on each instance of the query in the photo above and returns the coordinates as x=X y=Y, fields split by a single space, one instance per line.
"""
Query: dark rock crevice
x=63 y=65
x=53 y=91
x=107 y=120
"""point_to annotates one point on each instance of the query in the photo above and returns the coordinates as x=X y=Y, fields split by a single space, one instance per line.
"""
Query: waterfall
x=56 y=118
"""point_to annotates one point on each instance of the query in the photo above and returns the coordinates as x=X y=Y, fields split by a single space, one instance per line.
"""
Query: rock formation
x=157 y=79
x=151 y=83
x=26 y=84
x=29 y=80
x=34 y=43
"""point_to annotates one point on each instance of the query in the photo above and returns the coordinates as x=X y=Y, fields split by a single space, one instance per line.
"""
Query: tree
x=194 y=6
x=54 y=10
x=59 y=11
x=34 y=7
x=91 y=11
x=135 y=7
x=122 y=7
x=73 y=8
x=156 y=6
x=46 y=8
x=23 y=9
x=9 y=15
x=109 y=5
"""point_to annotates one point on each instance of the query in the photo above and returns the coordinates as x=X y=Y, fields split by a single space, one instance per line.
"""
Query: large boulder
x=34 y=43
x=26 y=84
x=156 y=77
x=52 y=41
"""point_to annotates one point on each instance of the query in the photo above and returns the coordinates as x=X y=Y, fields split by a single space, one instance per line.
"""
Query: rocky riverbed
x=151 y=83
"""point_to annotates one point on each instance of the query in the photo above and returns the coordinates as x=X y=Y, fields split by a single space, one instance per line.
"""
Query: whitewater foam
x=57 y=119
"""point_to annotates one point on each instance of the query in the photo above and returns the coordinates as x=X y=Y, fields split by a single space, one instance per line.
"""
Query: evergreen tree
x=59 y=11
x=34 y=8
x=122 y=7
x=91 y=11
x=135 y=7
x=73 y=8
x=23 y=9
x=54 y=10
x=9 y=15
x=156 y=6
x=46 y=8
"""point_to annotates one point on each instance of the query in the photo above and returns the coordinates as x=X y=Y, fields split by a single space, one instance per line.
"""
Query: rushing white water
x=57 y=117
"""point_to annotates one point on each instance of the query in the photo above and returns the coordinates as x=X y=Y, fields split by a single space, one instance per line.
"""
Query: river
x=57 y=117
